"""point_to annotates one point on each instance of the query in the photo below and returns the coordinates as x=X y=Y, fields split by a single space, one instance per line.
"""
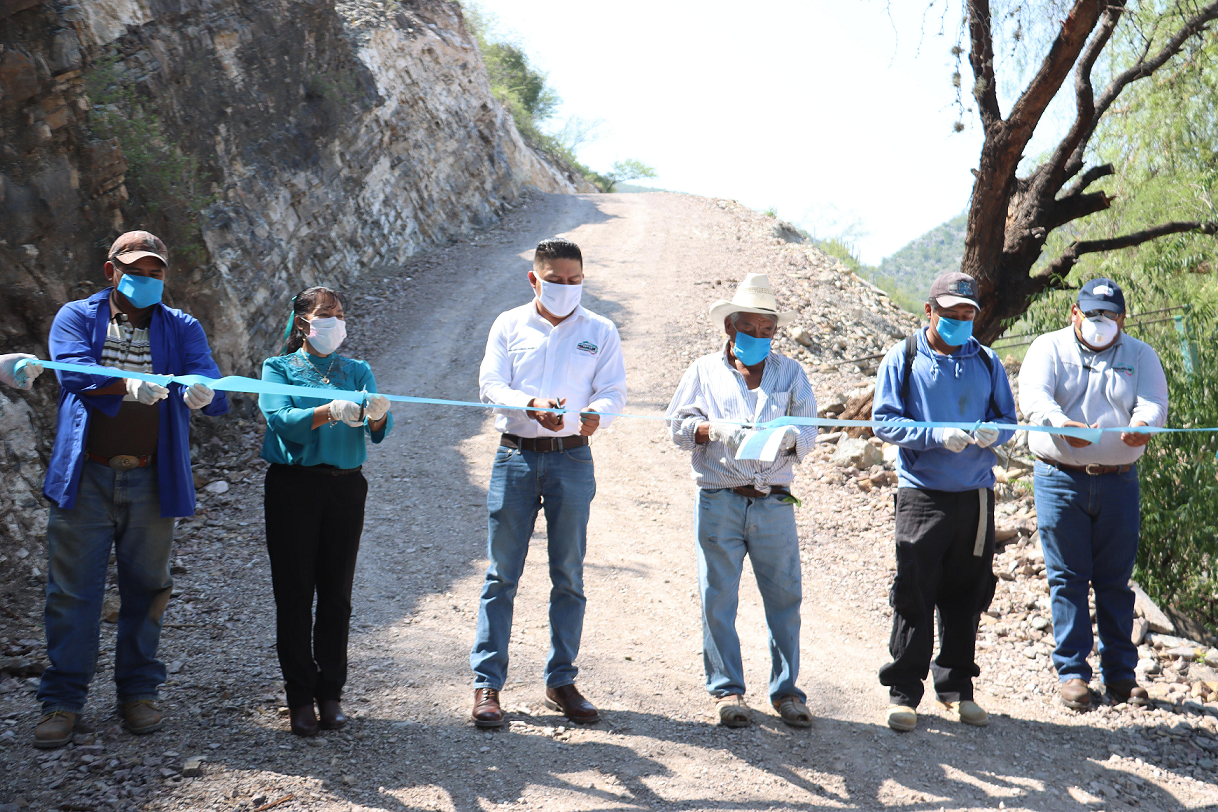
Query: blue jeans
x=1089 y=532
x=727 y=526
x=562 y=483
x=116 y=509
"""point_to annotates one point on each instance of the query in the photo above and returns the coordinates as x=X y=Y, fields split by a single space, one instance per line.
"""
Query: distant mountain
x=914 y=267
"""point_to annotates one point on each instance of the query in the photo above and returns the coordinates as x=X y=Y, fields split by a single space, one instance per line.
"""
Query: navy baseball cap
x=1101 y=294
x=953 y=289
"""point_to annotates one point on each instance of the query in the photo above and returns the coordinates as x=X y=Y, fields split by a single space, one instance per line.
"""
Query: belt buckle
x=1087 y=469
x=124 y=462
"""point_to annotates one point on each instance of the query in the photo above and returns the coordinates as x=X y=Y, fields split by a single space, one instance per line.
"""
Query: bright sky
x=833 y=113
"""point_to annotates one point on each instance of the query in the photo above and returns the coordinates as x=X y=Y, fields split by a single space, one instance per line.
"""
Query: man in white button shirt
x=745 y=506
x=1091 y=374
x=550 y=354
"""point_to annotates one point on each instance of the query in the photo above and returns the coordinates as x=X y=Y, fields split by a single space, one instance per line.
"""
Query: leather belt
x=1093 y=469
x=321 y=469
x=123 y=462
x=543 y=444
x=753 y=493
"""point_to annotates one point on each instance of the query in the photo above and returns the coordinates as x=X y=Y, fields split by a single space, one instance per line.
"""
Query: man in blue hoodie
x=118 y=476
x=945 y=499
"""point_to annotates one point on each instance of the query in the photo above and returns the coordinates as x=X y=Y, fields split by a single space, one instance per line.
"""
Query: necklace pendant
x=324 y=379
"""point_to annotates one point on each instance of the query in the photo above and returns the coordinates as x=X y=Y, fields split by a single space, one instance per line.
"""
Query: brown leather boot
x=487 y=712
x=303 y=720
x=54 y=730
x=567 y=699
x=1127 y=690
x=330 y=714
x=141 y=716
x=1075 y=694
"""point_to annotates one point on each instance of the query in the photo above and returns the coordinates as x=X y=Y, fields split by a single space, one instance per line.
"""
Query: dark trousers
x=937 y=569
x=313 y=524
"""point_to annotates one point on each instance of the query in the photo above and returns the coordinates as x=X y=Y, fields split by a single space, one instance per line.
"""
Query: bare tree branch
x=1072 y=208
x=981 y=58
x=1070 y=257
x=1089 y=177
x=1051 y=175
x=1139 y=70
x=1054 y=68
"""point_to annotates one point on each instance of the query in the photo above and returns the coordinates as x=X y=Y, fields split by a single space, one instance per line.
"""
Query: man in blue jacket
x=119 y=474
x=945 y=501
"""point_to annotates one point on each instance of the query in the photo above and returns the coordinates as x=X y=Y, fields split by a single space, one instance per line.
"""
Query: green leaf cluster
x=1163 y=140
x=167 y=183
x=524 y=91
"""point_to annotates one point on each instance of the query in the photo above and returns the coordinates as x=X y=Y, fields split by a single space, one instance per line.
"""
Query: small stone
x=1039 y=623
x=1140 y=627
x=175 y=667
x=1144 y=606
x=218 y=487
x=855 y=453
x=193 y=766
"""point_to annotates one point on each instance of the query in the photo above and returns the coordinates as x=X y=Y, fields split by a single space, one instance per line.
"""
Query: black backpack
x=911 y=350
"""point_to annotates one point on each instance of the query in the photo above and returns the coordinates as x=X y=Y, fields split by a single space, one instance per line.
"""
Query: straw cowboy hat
x=753 y=296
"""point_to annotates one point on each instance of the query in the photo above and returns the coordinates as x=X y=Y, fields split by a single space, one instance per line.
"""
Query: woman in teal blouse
x=314 y=503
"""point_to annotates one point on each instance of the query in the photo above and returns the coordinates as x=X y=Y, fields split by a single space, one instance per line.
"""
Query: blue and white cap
x=1101 y=294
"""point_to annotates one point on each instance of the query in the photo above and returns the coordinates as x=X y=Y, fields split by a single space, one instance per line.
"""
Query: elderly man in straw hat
x=746 y=506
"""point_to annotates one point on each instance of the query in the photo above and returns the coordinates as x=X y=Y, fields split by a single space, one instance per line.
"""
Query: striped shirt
x=714 y=390
x=127 y=347
x=135 y=429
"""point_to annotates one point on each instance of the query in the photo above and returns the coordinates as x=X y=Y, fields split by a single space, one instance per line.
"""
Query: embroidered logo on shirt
x=1125 y=370
x=587 y=348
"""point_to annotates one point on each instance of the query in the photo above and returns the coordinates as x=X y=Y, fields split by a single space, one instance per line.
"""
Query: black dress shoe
x=303 y=721
x=567 y=699
x=331 y=714
x=487 y=712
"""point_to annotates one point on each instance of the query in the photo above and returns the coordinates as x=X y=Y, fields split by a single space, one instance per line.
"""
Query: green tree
x=622 y=171
x=1111 y=47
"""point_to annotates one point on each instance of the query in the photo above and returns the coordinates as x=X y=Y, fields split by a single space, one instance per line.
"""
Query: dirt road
x=652 y=262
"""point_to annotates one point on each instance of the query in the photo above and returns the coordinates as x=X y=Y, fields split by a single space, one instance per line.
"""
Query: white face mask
x=561 y=300
x=1099 y=331
x=326 y=335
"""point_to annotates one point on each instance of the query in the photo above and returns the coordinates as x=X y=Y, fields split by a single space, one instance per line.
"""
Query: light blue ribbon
x=254 y=386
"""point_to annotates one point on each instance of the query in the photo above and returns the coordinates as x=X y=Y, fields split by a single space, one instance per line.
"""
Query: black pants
x=937 y=569
x=313 y=524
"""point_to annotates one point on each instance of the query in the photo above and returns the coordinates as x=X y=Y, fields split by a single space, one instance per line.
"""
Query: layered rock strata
x=272 y=144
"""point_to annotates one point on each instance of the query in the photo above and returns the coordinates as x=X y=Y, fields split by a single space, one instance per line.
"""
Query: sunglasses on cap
x=1091 y=314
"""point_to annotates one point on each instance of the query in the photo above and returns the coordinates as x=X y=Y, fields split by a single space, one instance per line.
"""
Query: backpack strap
x=911 y=350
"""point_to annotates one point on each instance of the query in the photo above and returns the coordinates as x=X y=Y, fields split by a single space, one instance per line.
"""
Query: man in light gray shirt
x=1091 y=374
x=745 y=506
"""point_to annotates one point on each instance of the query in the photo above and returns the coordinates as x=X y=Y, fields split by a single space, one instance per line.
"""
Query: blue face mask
x=749 y=350
x=955 y=333
x=141 y=291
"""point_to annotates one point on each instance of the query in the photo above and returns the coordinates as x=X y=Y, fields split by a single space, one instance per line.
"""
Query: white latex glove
x=378 y=407
x=985 y=436
x=18 y=380
x=727 y=433
x=196 y=396
x=956 y=440
x=146 y=392
x=348 y=412
x=789 y=437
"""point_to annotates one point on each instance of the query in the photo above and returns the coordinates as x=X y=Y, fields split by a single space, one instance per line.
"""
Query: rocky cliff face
x=272 y=144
